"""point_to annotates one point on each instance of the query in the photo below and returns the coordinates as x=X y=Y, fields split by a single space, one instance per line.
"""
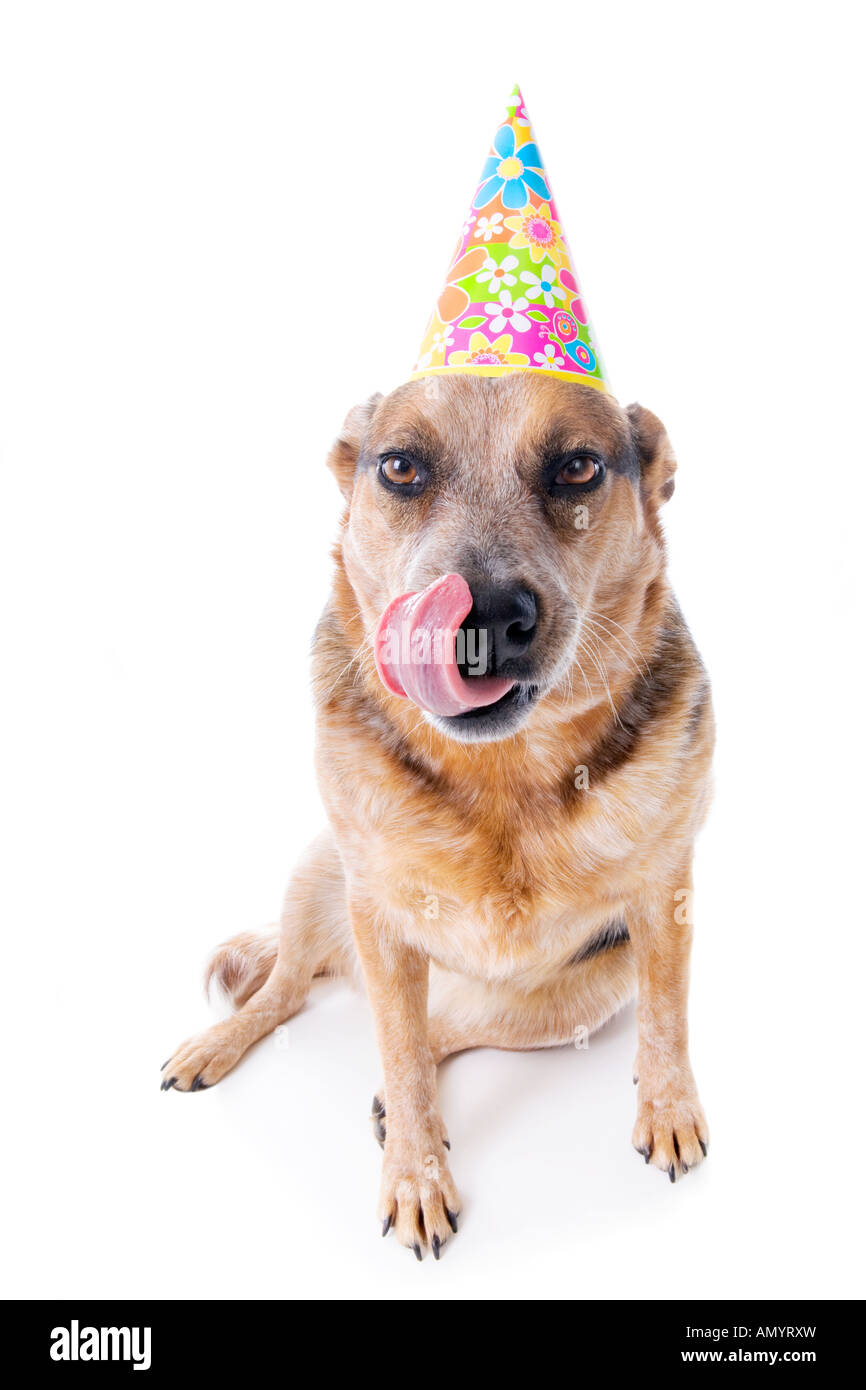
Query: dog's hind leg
x=269 y=977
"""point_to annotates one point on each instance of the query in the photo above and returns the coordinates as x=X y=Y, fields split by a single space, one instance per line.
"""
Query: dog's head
x=541 y=493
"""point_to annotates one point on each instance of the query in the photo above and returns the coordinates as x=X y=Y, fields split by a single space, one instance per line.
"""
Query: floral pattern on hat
x=484 y=353
x=510 y=172
x=512 y=301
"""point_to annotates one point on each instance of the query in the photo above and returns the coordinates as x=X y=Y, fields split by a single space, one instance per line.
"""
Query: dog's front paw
x=671 y=1129
x=418 y=1201
x=378 y=1120
x=202 y=1060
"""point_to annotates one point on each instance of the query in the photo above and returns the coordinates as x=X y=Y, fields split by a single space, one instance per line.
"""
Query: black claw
x=634 y=1081
x=672 y=1173
x=452 y=1219
x=685 y=1167
x=378 y=1114
x=645 y=1153
x=167 y=1085
x=417 y=1249
x=198 y=1084
x=386 y=1224
x=165 y=1063
x=437 y=1246
x=447 y=1143
x=703 y=1147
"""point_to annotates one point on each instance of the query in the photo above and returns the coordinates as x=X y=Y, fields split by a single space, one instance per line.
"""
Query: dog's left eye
x=580 y=471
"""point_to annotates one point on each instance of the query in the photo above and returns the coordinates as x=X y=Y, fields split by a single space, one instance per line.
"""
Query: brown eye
x=578 y=471
x=398 y=470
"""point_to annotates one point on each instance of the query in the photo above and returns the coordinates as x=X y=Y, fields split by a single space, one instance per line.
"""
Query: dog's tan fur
x=466 y=878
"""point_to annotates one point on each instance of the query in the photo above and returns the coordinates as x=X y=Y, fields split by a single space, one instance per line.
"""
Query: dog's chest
x=497 y=907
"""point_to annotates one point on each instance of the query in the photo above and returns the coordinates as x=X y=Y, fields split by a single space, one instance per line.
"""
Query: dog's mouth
x=496 y=720
x=417 y=650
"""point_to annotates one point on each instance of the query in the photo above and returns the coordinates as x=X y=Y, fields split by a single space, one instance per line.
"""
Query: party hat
x=511 y=301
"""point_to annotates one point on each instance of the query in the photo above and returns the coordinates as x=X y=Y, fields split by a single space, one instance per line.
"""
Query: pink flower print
x=507 y=314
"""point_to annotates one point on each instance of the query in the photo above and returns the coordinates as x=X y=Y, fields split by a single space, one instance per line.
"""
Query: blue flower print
x=514 y=174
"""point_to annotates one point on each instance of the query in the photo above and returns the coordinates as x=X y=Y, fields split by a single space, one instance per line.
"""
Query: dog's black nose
x=502 y=622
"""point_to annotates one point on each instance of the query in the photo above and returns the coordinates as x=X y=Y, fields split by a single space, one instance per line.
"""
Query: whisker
x=604 y=639
x=602 y=620
x=594 y=658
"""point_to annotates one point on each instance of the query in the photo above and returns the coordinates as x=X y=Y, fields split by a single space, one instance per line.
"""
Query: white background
x=222 y=224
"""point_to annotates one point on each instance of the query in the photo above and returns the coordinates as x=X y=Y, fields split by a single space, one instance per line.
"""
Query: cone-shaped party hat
x=511 y=300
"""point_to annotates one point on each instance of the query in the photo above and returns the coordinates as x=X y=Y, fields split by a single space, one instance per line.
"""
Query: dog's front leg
x=671 y=1129
x=418 y=1197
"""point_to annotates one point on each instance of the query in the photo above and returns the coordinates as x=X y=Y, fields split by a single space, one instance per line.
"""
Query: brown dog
x=508 y=876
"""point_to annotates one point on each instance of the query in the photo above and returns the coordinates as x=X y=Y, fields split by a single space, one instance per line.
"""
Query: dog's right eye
x=398 y=471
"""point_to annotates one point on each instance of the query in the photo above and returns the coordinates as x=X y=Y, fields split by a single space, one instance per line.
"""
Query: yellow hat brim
x=490 y=369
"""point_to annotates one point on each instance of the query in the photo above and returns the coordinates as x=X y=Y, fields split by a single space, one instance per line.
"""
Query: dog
x=512 y=873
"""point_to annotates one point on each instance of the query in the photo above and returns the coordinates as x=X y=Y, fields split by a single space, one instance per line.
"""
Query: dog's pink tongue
x=415 y=650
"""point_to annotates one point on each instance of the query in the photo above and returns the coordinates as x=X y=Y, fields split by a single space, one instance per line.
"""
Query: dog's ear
x=344 y=453
x=656 y=455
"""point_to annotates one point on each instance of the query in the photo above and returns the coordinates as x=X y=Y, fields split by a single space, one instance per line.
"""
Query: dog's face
x=542 y=494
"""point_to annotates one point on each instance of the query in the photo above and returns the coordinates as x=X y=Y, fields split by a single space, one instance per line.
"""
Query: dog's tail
x=242 y=965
